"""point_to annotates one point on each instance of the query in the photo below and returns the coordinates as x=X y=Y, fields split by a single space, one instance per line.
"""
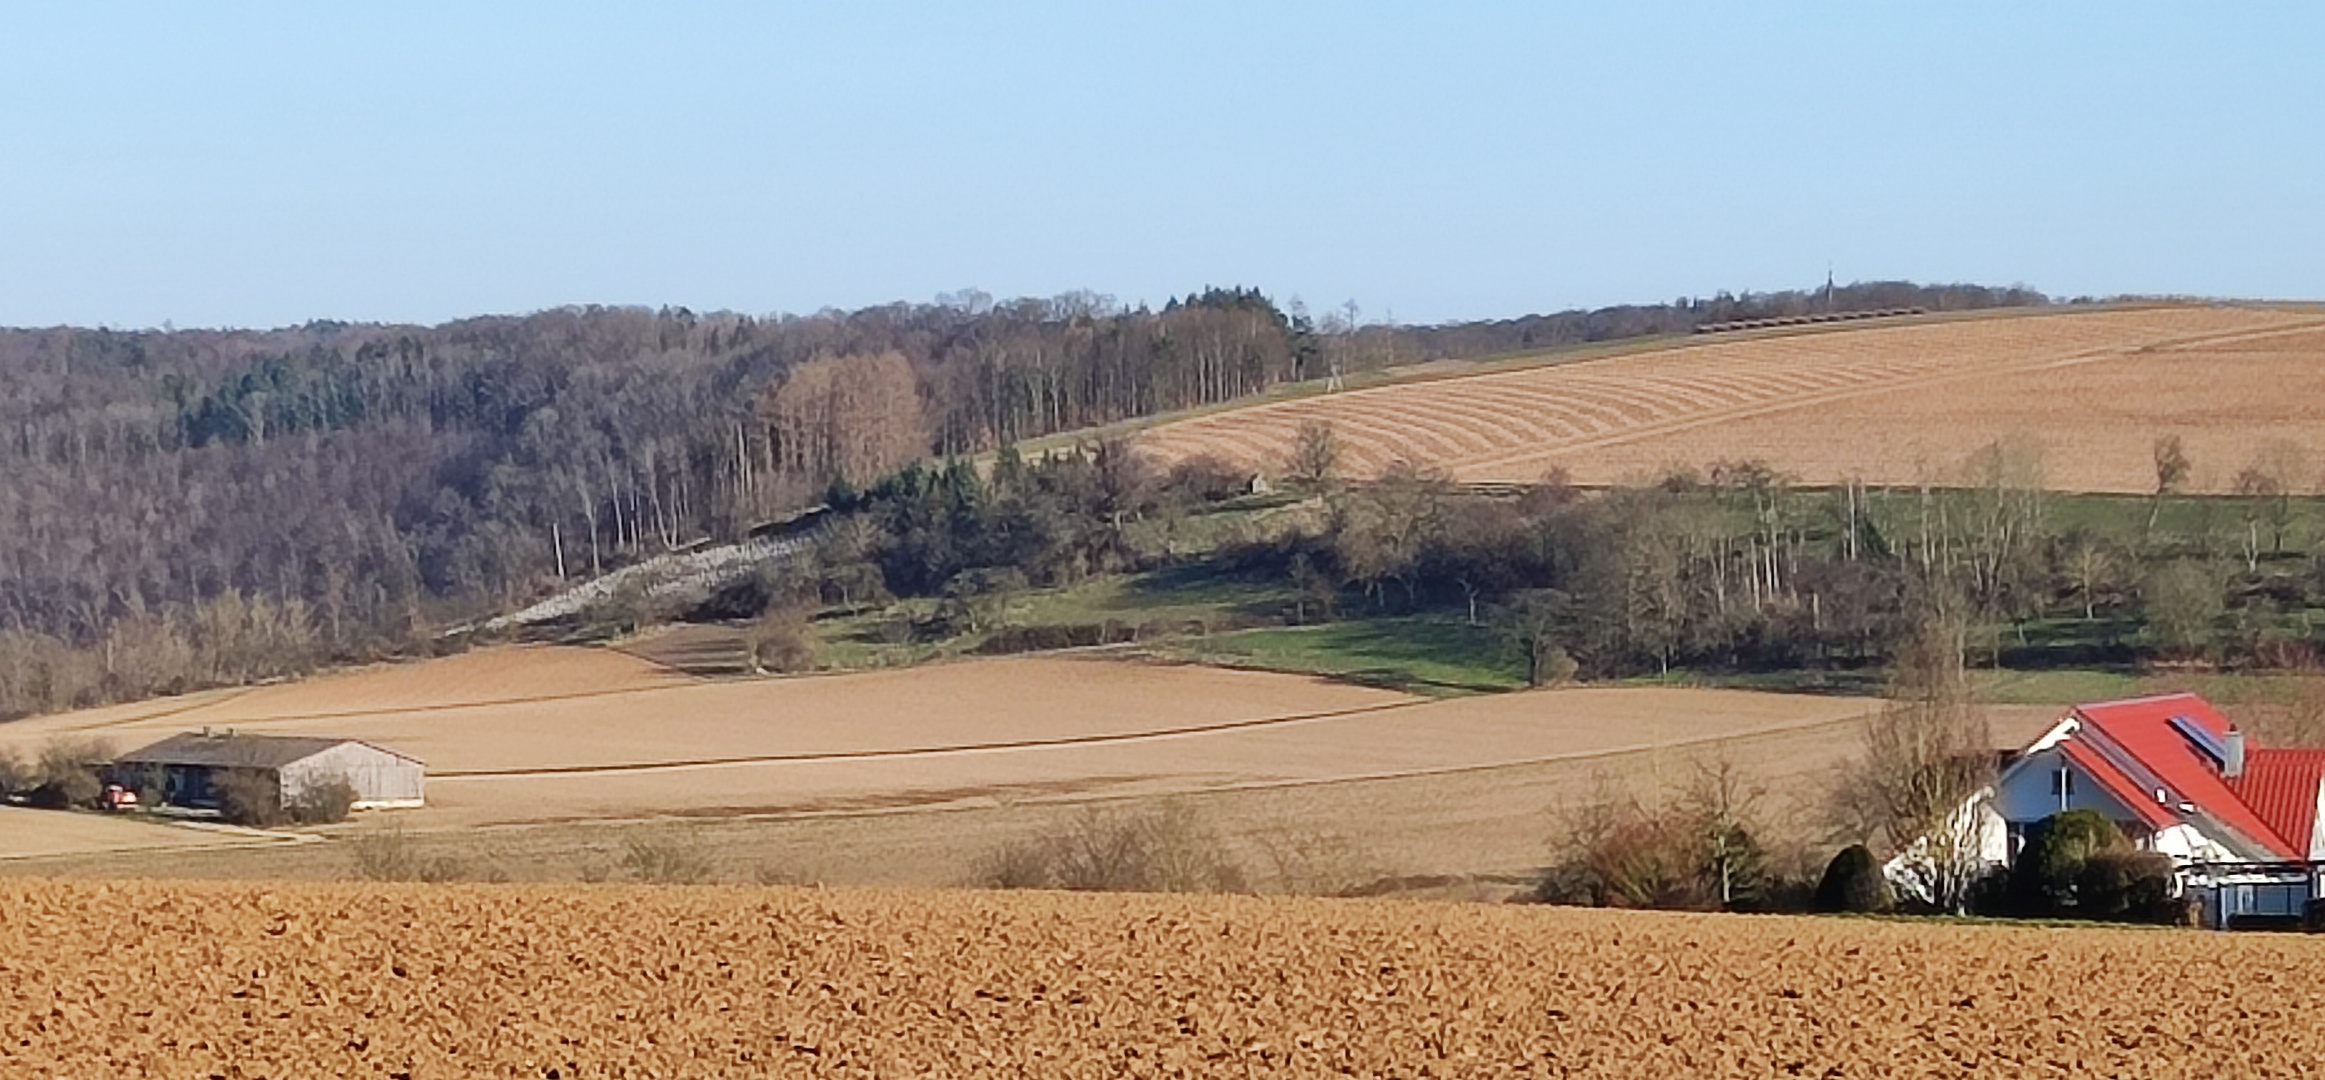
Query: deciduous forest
x=206 y=507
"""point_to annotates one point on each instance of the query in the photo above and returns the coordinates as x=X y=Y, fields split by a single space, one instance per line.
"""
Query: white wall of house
x=2030 y=792
x=2187 y=842
x=381 y=779
x=2317 y=828
x=1993 y=835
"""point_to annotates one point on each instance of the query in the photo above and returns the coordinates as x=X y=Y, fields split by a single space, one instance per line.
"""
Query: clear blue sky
x=261 y=164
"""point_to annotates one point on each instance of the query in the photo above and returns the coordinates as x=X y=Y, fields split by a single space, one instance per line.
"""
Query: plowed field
x=1890 y=404
x=158 y=979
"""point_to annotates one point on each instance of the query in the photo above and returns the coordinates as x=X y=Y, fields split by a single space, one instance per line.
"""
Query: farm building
x=2242 y=822
x=193 y=768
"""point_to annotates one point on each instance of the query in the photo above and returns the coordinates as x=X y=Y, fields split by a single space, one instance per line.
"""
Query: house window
x=2063 y=783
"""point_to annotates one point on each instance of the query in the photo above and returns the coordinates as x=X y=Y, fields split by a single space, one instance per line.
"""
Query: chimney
x=2232 y=760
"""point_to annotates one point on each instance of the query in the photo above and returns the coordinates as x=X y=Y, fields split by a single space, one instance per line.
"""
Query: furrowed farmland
x=1901 y=403
x=401 y=981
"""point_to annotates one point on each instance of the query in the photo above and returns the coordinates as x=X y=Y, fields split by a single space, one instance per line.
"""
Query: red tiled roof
x=2281 y=786
x=2143 y=728
x=2141 y=803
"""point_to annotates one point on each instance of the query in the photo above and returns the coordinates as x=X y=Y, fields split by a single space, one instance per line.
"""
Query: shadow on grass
x=1248 y=597
x=1416 y=654
x=1824 y=682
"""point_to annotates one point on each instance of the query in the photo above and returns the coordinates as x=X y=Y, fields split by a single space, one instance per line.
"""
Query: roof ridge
x=2147 y=700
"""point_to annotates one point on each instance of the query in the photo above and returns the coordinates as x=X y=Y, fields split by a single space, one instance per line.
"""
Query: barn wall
x=379 y=778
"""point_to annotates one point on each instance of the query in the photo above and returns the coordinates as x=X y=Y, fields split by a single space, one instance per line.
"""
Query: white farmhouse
x=2242 y=822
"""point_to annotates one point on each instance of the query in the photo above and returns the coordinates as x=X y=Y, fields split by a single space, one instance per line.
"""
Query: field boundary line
x=680 y=682
x=1789 y=727
x=226 y=697
x=1069 y=741
x=714 y=816
x=687 y=682
x=1781 y=728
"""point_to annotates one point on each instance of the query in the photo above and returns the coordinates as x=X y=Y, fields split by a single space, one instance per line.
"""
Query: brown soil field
x=287 y=980
x=1892 y=404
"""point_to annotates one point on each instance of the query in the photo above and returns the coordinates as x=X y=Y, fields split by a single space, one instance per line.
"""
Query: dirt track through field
x=1891 y=404
x=286 y=980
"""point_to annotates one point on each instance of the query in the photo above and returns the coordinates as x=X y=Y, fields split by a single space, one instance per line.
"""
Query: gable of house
x=2159 y=765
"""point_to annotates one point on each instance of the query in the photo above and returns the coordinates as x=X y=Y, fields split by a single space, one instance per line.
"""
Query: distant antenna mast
x=1349 y=313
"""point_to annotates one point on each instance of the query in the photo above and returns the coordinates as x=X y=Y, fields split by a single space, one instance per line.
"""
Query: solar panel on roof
x=2202 y=736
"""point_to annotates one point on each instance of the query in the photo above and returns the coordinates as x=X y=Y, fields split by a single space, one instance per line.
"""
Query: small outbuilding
x=193 y=770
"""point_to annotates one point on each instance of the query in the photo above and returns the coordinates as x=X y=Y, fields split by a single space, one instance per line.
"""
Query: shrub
x=323 y=803
x=1698 y=853
x=2045 y=878
x=668 y=857
x=68 y=773
x=16 y=776
x=1163 y=848
x=1014 y=864
x=745 y=598
x=251 y=797
x=2127 y=886
x=1651 y=862
x=151 y=784
x=1044 y=638
x=390 y=854
x=1853 y=882
x=1207 y=478
x=1298 y=861
x=782 y=643
x=1990 y=894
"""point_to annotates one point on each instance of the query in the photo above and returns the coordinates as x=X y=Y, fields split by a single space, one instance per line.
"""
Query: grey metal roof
x=239 y=751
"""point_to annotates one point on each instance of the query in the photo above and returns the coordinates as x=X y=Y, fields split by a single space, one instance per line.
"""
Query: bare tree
x=1724 y=807
x=2171 y=473
x=1315 y=454
x=2183 y=601
x=1928 y=764
x=2268 y=485
x=1534 y=622
x=2092 y=565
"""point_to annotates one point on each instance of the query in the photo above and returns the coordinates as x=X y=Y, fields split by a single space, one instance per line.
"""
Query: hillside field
x=1896 y=403
x=902 y=777
x=285 y=979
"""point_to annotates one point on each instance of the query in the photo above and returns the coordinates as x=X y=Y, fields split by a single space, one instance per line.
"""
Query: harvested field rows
x=1893 y=403
x=419 y=981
